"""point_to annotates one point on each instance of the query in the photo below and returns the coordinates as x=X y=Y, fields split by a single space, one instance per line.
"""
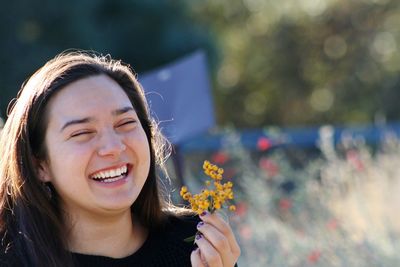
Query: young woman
x=79 y=157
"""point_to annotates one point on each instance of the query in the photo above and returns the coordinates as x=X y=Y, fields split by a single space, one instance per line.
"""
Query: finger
x=195 y=259
x=222 y=226
x=209 y=254
x=214 y=236
x=218 y=241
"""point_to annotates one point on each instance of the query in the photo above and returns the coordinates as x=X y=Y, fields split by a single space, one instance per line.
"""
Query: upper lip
x=109 y=168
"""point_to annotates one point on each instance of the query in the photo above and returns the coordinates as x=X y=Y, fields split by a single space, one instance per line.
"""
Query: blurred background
x=280 y=63
x=278 y=72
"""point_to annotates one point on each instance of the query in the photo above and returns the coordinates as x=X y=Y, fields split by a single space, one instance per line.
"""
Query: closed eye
x=81 y=133
x=127 y=123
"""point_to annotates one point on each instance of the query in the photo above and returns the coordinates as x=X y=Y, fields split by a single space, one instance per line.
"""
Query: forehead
x=88 y=97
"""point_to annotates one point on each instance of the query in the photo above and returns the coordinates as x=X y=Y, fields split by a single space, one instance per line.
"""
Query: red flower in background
x=241 y=209
x=314 y=256
x=269 y=166
x=285 y=204
x=332 y=224
x=246 y=232
x=230 y=172
x=263 y=143
x=220 y=157
x=354 y=159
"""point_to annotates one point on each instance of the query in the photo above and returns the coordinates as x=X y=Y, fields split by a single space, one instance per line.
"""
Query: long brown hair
x=31 y=222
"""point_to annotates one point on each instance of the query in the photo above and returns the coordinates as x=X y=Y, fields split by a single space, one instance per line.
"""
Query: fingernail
x=198 y=236
x=200 y=224
x=204 y=213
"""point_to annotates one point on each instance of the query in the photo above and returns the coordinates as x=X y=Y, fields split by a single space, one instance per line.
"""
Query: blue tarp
x=179 y=96
x=306 y=137
x=180 y=99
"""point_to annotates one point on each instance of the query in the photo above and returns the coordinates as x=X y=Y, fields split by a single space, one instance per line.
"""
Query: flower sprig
x=214 y=196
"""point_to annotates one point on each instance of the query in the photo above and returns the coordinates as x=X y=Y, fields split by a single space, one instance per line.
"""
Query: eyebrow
x=122 y=111
x=116 y=112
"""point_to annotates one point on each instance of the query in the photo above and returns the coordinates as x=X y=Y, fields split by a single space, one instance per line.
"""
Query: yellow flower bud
x=228 y=185
x=212 y=174
x=206 y=193
x=184 y=189
x=210 y=198
x=186 y=196
x=218 y=186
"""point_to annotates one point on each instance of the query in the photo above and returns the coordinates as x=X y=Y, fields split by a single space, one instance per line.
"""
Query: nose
x=111 y=144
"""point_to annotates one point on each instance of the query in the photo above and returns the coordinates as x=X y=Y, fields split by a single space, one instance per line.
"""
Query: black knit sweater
x=164 y=248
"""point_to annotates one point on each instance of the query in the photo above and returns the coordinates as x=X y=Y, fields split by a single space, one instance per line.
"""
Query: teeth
x=111 y=175
x=110 y=180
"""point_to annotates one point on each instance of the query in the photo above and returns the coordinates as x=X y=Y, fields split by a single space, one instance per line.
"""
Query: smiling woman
x=78 y=176
x=89 y=143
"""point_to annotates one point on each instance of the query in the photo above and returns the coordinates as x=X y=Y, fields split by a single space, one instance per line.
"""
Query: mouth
x=111 y=175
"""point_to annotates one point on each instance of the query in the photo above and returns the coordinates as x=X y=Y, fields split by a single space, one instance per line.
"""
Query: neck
x=115 y=236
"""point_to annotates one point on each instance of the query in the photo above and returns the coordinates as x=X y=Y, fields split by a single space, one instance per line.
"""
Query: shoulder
x=167 y=245
x=183 y=225
x=185 y=220
x=11 y=254
x=164 y=246
x=8 y=258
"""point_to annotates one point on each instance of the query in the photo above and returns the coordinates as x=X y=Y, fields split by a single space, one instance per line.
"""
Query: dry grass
x=341 y=212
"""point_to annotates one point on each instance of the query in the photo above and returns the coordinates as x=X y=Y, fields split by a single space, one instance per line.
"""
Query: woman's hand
x=217 y=246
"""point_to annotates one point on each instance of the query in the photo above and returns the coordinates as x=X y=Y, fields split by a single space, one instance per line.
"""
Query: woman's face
x=98 y=156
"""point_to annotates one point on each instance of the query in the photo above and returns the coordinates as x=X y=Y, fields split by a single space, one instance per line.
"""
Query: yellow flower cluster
x=210 y=199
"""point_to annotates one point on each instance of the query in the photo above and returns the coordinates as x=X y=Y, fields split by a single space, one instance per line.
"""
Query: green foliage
x=145 y=34
x=272 y=62
x=337 y=209
x=305 y=62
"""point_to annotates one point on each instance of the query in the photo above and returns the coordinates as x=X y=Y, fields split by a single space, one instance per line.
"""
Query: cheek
x=72 y=153
x=67 y=159
x=146 y=147
x=141 y=147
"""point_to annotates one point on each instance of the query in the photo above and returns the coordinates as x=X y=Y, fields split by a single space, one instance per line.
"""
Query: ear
x=43 y=171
